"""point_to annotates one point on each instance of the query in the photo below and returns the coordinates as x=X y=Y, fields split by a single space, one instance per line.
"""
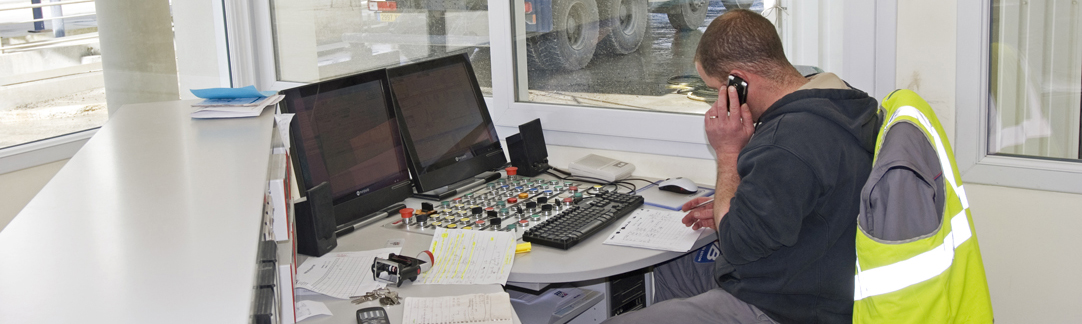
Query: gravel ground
x=53 y=117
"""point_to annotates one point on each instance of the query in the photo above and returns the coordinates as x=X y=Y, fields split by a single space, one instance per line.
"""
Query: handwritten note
x=343 y=274
x=494 y=308
x=655 y=229
x=470 y=257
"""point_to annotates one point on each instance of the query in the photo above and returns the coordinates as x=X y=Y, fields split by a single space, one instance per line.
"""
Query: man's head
x=745 y=44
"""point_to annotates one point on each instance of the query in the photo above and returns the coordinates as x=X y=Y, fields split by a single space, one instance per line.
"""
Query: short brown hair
x=742 y=39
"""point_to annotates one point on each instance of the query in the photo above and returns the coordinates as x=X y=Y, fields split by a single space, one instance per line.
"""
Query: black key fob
x=372 y=315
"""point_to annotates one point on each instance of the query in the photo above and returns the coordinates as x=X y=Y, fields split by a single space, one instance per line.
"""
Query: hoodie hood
x=848 y=108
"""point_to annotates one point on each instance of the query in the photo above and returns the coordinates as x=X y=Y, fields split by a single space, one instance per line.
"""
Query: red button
x=512 y=200
x=511 y=171
x=573 y=188
x=406 y=212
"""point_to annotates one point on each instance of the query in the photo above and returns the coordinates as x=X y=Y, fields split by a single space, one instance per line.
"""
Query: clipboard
x=669 y=200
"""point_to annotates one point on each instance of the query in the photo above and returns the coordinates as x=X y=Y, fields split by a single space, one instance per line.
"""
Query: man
x=791 y=163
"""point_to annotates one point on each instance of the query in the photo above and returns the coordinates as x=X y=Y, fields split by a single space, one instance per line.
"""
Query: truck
x=566 y=34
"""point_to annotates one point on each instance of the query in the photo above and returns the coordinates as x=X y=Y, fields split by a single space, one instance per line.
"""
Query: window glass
x=324 y=39
x=625 y=54
x=1036 y=78
x=50 y=71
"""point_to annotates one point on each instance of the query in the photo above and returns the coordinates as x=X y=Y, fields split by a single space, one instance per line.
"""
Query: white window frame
x=869 y=66
x=971 y=107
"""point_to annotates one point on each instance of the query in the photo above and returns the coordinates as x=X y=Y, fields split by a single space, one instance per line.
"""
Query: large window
x=1019 y=83
x=1035 y=78
x=612 y=74
x=50 y=71
x=318 y=40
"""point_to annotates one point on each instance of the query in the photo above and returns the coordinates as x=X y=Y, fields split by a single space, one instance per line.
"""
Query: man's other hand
x=698 y=217
x=728 y=125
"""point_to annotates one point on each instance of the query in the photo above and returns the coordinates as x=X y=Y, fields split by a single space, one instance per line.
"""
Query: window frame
x=633 y=131
x=972 y=100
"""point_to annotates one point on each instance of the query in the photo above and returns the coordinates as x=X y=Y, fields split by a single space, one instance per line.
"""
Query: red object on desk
x=406 y=212
x=511 y=171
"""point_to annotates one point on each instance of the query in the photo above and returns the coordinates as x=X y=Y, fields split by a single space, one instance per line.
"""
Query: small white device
x=596 y=166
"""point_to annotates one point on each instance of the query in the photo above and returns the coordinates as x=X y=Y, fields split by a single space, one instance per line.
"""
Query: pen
x=702 y=204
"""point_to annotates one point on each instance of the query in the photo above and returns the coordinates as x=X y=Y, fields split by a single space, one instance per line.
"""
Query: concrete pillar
x=137 y=55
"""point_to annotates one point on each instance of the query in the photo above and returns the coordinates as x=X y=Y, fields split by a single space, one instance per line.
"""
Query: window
x=632 y=108
x=1017 y=98
x=1035 y=78
x=318 y=40
x=51 y=80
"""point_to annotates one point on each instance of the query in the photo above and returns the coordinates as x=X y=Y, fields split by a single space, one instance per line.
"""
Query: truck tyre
x=571 y=43
x=737 y=4
x=688 y=14
x=625 y=21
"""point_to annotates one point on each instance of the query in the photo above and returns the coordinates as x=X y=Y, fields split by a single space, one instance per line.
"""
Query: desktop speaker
x=315 y=222
x=527 y=149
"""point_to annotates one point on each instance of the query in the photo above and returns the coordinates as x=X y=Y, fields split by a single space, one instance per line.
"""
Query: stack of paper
x=656 y=230
x=232 y=102
x=342 y=275
x=494 y=308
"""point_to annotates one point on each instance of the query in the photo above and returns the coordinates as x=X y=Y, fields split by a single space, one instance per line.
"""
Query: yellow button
x=467 y=228
x=452 y=225
x=523 y=195
x=437 y=224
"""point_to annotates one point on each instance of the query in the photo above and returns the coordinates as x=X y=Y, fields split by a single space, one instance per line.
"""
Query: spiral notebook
x=494 y=308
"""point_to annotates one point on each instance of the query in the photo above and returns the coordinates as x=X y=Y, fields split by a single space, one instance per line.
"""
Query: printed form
x=343 y=274
x=494 y=308
x=465 y=257
x=655 y=229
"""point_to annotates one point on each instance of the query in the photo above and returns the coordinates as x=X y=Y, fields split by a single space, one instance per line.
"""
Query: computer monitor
x=345 y=133
x=448 y=133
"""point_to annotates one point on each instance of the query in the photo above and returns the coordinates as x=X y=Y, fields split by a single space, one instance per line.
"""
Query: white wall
x=1028 y=238
x=21 y=186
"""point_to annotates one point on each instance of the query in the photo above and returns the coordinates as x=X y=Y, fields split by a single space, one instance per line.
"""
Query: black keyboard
x=575 y=224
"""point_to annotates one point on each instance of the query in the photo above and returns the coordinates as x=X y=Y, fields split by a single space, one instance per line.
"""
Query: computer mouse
x=678 y=185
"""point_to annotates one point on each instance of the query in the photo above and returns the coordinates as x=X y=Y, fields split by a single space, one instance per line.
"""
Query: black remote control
x=372 y=315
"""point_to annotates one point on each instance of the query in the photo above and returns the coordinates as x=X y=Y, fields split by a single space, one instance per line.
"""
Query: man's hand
x=698 y=217
x=728 y=125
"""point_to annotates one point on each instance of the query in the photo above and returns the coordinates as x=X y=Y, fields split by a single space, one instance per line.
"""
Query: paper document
x=341 y=275
x=236 y=111
x=492 y=308
x=655 y=229
x=309 y=308
x=468 y=257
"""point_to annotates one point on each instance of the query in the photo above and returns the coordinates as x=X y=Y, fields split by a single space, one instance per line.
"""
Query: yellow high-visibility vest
x=937 y=278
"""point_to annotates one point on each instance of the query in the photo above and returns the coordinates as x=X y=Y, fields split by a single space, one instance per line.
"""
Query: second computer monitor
x=446 y=127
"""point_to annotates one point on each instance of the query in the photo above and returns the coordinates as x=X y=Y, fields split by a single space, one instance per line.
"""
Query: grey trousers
x=714 y=306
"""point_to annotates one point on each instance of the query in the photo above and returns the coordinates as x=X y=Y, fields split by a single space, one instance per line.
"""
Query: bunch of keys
x=385 y=296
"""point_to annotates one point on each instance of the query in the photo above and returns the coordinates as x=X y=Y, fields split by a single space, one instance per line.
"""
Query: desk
x=589 y=260
x=155 y=220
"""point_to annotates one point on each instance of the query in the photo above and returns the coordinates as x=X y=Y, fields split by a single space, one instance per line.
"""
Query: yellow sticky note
x=523 y=248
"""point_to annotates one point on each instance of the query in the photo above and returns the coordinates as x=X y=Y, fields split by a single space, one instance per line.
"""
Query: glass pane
x=318 y=40
x=1036 y=78
x=625 y=54
x=50 y=72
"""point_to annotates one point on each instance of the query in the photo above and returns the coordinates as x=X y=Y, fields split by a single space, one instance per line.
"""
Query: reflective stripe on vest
x=927 y=265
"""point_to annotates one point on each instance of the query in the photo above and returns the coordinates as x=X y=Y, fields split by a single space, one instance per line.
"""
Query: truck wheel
x=737 y=4
x=688 y=15
x=571 y=43
x=625 y=21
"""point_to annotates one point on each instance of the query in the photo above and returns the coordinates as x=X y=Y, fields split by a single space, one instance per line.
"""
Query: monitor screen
x=345 y=133
x=446 y=126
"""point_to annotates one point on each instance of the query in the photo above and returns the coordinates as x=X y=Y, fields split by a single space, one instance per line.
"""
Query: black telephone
x=741 y=88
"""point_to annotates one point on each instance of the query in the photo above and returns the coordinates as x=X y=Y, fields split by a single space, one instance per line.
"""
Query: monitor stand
x=460 y=187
